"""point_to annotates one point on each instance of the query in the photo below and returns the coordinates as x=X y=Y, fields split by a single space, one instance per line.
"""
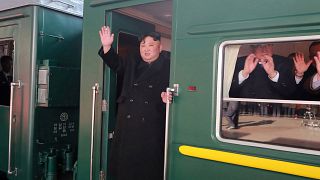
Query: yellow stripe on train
x=250 y=161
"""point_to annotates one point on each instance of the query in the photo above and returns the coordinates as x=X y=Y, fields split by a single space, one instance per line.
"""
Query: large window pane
x=270 y=93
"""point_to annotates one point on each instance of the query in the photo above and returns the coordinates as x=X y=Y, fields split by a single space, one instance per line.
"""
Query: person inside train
x=313 y=83
x=307 y=73
x=302 y=71
x=263 y=75
x=137 y=149
x=232 y=115
x=5 y=80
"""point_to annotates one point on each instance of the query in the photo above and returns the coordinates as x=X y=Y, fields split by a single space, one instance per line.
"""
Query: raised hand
x=268 y=66
x=106 y=38
x=317 y=60
x=300 y=65
x=249 y=65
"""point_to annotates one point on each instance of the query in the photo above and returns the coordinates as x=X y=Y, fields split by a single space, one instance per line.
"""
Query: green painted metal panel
x=91 y=73
x=6 y=32
x=61 y=79
x=27 y=57
x=199 y=30
x=56 y=126
x=4 y=134
x=56 y=130
x=195 y=168
x=21 y=139
x=9 y=30
x=248 y=16
x=58 y=38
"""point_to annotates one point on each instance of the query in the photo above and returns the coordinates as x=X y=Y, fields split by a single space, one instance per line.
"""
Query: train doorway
x=128 y=25
x=128 y=20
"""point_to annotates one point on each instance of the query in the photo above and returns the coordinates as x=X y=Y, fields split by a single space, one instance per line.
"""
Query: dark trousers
x=232 y=113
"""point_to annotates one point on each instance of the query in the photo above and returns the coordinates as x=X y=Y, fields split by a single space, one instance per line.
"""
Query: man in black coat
x=309 y=73
x=137 y=150
x=263 y=75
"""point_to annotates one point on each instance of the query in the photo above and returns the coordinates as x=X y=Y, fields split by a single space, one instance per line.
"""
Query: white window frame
x=219 y=99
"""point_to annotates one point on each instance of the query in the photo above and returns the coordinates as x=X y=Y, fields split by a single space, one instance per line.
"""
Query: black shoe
x=232 y=127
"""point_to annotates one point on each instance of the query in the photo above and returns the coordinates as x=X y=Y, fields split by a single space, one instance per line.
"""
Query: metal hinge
x=110 y=135
x=176 y=89
x=105 y=106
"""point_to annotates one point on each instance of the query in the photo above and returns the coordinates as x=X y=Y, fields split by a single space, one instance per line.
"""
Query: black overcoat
x=137 y=150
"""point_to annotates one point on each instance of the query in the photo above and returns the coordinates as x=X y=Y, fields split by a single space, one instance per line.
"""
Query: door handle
x=12 y=86
x=175 y=92
x=95 y=91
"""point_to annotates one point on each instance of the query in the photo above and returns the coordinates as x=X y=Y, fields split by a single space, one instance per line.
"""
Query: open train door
x=98 y=83
x=15 y=105
x=6 y=108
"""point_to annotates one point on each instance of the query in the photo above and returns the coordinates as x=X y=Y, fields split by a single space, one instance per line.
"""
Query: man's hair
x=255 y=46
x=5 y=59
x=315 y=43
x=155 y=35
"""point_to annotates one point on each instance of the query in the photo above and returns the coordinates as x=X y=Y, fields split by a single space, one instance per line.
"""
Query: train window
x=270 y=93
x=6 y=70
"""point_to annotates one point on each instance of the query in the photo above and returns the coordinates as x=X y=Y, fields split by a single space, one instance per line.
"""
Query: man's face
x=313 y=51
x=263 y=50
x=150 y=49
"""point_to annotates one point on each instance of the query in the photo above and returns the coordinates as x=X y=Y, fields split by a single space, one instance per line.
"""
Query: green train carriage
x=205 y=36
x=39 y=127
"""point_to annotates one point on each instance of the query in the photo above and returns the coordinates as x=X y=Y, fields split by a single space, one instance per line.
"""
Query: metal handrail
x=95 y=91
x=168 y=90
x=12 y=85
x=174 y=92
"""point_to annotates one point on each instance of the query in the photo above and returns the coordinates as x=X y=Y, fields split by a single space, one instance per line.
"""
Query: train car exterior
x=206 y=36
x=39 y=126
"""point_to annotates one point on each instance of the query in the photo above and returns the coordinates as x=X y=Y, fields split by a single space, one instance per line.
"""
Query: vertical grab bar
x=175 y=92
x=12 y=85
x=95 y=91
x=168 y=90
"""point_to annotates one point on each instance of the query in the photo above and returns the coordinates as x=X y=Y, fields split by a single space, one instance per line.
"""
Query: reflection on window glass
x=6 y=75
x=272 y=71
x=292 y=125
x=277 y=90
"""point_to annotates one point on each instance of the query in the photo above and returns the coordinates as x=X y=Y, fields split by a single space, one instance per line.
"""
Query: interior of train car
x=289 y=122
